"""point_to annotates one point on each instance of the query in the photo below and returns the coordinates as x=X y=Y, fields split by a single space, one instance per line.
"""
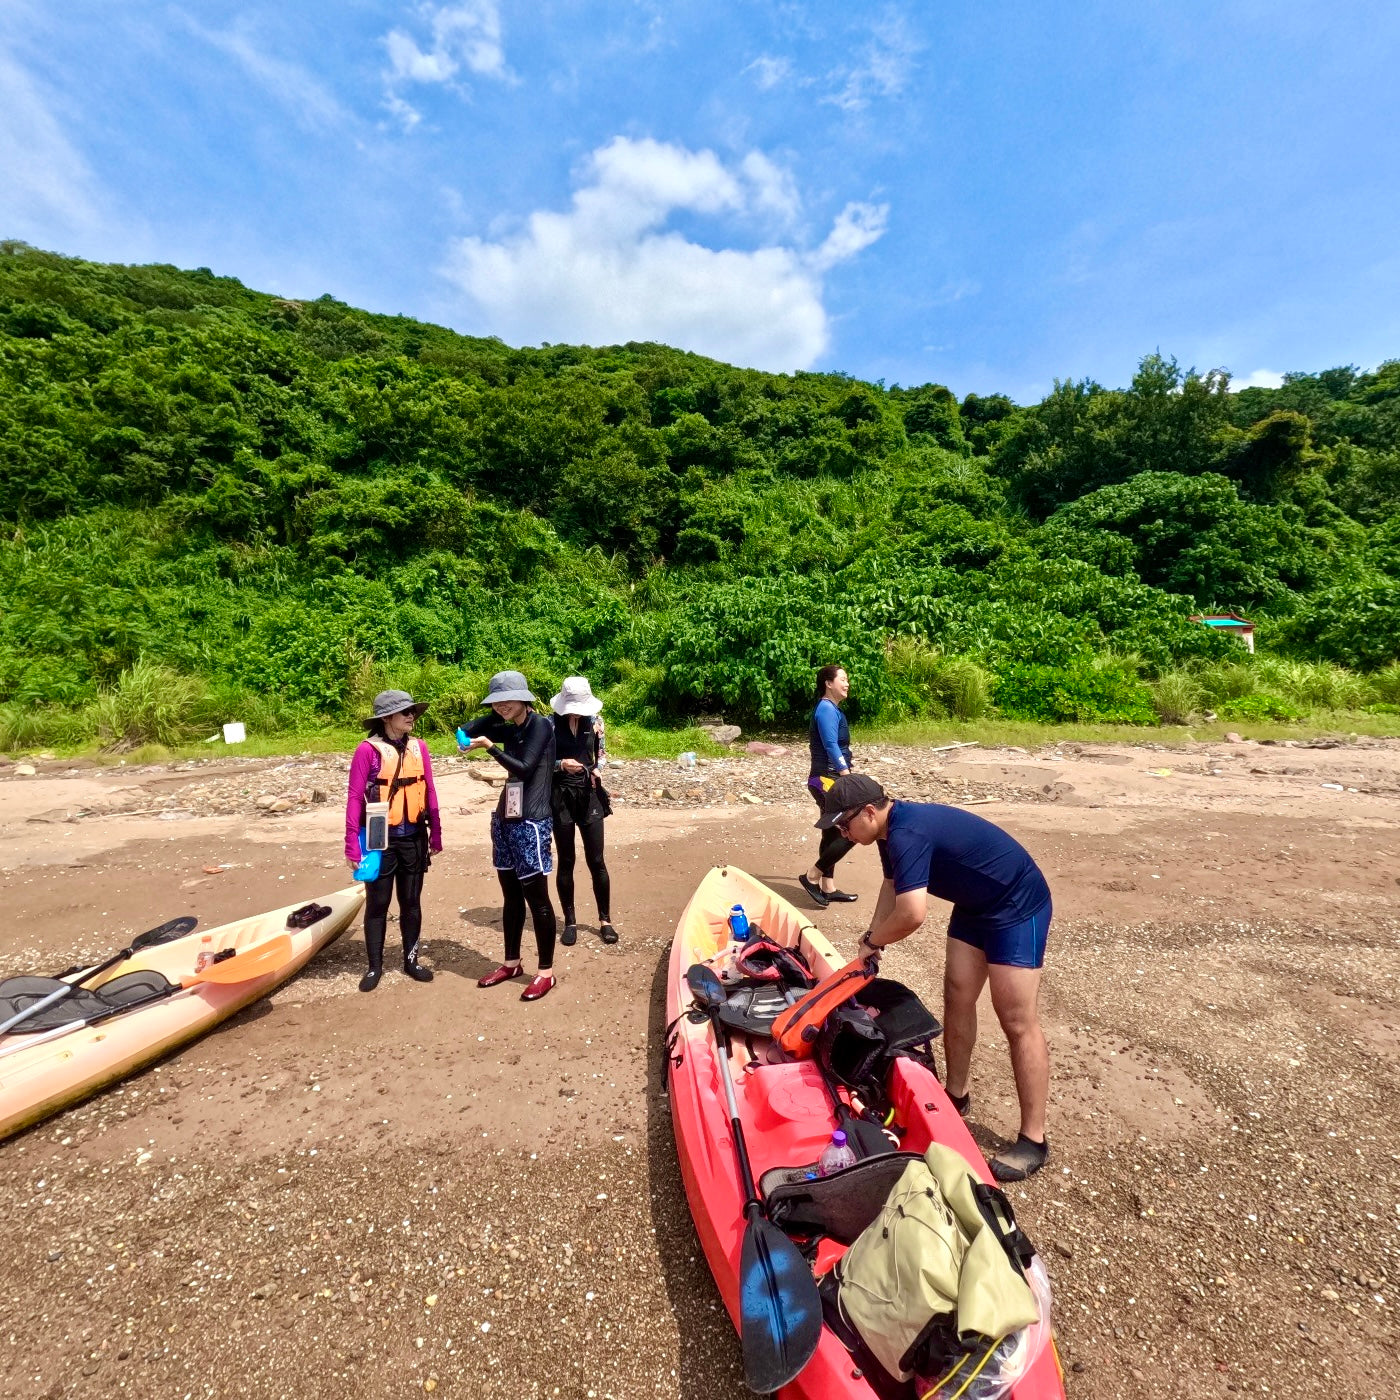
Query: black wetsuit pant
x=534 y=894
x=402 y=868
x=833 y=845
x=592 y=835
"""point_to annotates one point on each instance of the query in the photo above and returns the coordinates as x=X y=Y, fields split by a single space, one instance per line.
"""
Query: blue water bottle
x=462 y=740
x=738 y=924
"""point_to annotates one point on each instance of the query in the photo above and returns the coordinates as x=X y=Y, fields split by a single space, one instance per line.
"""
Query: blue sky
x=987 y=195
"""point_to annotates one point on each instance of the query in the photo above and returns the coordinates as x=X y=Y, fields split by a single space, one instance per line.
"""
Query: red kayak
x=787 y=1116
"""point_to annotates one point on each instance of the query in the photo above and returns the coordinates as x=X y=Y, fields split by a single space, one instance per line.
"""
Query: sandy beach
x=438 y=1189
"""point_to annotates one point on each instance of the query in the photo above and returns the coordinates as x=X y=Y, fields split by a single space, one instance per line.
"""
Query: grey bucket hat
x=507 y=685
x=394 y=702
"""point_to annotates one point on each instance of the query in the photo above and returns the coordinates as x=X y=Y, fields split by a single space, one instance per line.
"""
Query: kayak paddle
x=780 y=1310
x=258 y=961
x=166 y=933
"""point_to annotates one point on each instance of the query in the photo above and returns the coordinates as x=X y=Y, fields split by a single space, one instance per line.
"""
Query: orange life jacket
x=406 y=793
x=797 y=1028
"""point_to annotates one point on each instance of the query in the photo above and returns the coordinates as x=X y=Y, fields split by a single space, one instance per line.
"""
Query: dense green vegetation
x=266 y=509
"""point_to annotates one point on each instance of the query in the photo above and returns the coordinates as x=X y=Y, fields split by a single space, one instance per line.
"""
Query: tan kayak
x=43 y=1072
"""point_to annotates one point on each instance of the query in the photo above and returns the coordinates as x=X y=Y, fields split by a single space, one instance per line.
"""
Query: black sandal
x=607 y=933
x=570 y=935
x=1024 y=1158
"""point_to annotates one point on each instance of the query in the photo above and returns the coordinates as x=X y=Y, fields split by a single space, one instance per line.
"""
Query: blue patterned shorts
x=522 y=846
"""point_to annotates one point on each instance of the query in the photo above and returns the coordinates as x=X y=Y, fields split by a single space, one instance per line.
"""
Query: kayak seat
x=838 y=1206
x=18 y=993
x=133 y=987
x=752 y=1007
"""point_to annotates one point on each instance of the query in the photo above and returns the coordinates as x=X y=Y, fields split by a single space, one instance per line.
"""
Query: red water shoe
x=501 y=974
x=538 y=987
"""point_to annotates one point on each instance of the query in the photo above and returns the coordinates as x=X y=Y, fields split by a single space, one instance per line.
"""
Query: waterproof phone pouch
x=376 y=826
x=515 y=801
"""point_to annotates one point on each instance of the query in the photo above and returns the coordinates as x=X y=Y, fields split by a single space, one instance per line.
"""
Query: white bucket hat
x=576 y=697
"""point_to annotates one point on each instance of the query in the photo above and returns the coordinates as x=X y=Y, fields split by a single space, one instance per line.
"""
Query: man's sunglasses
x=846 y=818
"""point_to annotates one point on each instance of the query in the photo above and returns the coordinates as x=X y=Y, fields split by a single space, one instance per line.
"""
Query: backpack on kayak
x=942 y=1284
x=861 y=1039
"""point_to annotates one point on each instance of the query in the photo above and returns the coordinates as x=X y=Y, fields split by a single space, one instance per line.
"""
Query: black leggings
x=833 y=846
x=409 y=885
x=592 y=833
x=518 y=893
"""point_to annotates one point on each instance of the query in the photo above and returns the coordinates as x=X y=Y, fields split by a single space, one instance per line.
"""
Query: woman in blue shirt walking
x=829 y=738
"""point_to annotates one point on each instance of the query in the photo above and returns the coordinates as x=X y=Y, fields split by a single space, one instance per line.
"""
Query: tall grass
x=925 y=682
x=27 y=727
x=964 y=688
x=1315 y=685
x=1178 y=697
x=151 y=704
x=1387 y=684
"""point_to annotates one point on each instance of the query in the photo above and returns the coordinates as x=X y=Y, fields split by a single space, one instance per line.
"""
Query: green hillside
x=262 y=508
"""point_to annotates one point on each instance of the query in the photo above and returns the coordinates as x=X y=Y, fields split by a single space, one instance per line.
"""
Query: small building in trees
x=1230 y=622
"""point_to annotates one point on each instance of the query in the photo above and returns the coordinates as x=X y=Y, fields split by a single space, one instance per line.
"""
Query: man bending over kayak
x=1001 y=915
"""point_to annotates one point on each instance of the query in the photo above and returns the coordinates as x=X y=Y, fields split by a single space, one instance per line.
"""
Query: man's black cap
x=849 y=790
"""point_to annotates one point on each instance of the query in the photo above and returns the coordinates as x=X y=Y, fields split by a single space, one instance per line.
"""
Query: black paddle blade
x=705 y=987
x=166 y=933
x=780 y=1310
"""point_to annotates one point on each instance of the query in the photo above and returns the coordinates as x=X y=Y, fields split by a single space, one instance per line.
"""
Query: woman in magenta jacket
x=391 y=766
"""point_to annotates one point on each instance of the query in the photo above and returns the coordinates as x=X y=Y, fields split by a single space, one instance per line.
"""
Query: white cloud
x=857 y=226
x=609 y=270
x=956 y=289
x=467 y=35
x=774 y=188
x=407 y=60
x=46 y=188
x=769 y=72
x=1260 y=379
x=309 y=100
x=885 y=66
x=407 y=115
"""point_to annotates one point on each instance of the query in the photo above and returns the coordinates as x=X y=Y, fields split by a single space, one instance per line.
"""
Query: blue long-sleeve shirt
x=830 y=740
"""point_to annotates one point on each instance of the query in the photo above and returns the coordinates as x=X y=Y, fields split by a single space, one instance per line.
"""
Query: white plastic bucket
x=235 y=733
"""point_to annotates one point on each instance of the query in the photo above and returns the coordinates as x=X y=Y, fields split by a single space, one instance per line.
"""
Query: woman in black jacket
x=522 y=742
x=580 y=801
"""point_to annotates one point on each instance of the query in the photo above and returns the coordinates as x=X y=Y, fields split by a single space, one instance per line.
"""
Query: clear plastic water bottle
x=738 y=924
x=836 y=1155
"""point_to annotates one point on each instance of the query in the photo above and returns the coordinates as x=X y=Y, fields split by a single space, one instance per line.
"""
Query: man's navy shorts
x=1017 y=945
x=523 y=846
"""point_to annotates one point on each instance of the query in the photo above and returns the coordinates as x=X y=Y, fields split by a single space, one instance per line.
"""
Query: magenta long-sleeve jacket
x=364 y=766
